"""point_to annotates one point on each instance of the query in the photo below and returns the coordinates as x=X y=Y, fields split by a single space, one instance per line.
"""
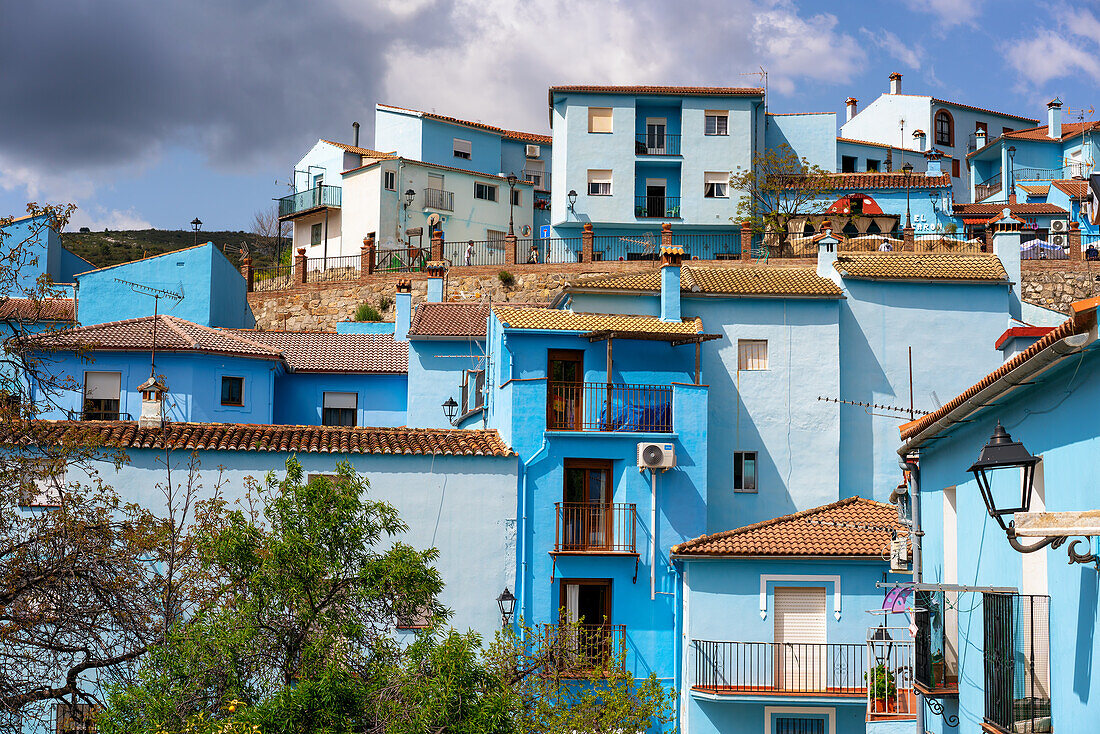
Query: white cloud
x=1071 y=50
x=908 y=54
x=794 y=47
x=97 y=218
x=950 y=13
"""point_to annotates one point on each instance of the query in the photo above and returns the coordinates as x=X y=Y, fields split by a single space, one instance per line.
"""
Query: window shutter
x=599 y=119
x=102 y=385
x=463 y=146
x=800 y=634
x=341 y=399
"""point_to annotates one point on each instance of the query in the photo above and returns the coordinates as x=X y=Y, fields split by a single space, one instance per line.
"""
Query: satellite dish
x=433 y=219
x=526 y=230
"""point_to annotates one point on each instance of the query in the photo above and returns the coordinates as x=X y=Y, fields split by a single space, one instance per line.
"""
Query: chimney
x=402 y=310
x=934 y=167
x=1006 y=246
x=826 y=252
x=355 y=134
x=1054 y=118
x=152 y=403
x=437 y=271
x=895 y=83
x=850 y=104
x=979 y=138
x=671 y=258
x=920 y=137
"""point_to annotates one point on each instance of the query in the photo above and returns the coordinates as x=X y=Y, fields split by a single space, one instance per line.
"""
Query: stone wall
x=1057 y=283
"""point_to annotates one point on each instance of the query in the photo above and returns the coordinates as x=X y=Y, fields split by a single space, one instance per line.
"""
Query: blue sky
x=155 y=113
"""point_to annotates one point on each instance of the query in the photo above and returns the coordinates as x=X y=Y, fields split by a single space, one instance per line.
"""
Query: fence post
x=908 y=241
x=300 y=266
x=366 y=257
x=586 y=243
x=437 y=245
x=987 y=243
x=746 y=240
x=1073 y=241
x=249 y=278
x=666 y=236
x=509 y=249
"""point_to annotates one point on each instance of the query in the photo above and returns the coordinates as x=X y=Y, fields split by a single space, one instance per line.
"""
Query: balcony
x=936 y=657
x=657 y=207
x=889 y=677
x=780 y=669
x=439 y=199
x=538 y=178
x=584 y=650
x=987 y=188
x=595 y=528
x=656 y=144
x=304 y=201
x=599 y=406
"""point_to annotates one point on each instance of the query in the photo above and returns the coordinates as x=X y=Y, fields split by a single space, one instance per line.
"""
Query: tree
x=778 y=188
x=268 y=234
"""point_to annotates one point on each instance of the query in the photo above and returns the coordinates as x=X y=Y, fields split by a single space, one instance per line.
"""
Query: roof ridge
x=171 y=323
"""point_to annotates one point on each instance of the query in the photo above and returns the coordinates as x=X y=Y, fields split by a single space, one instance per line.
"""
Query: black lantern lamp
x=196 y=224
x=450 y=409
x=409 y=196
x=1002 y=453
x=506 y=602
x=511 y=201
x=572 y=196
x=907 y=171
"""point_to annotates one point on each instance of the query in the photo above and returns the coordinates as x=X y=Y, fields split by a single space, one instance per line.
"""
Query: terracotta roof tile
x=511 y=134
x=362 y=151
x=922 y=266
x=991 y=209
x=893 y=180
x=1069 y=130
x=659 y=90
x=450 y=319
x=38 y=309
x=983 y=109
x=867 y=142
x=724 y=281
x=266 y=438
x=1075 y=187
x=314 y=351
x=173 y=335
x=557 y=320
x=1035 y=189
x=850 y=527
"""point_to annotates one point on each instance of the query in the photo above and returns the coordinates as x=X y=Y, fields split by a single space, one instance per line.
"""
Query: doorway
x=655 y=197
x=564 y=390
x=586 y=506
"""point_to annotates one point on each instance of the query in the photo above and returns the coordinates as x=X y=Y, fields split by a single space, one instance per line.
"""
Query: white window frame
x=743 y=365
x=755 y=489
x=717 y=178
x=47 y=489
x=597 y=114
x=389 y=180
x=782 y=579
x=489 y=188
x=516 y=197
x=596 y=176
x=462 y=148
x=828 y=712
x=720 y=129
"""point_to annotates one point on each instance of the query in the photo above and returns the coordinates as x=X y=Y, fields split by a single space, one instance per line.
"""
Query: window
x=872 y=165
x=389 y=179
x=717 y=122
x=516 y=197
x=473 y=390
x=586 y=521
x=945 y=128
x=798 y=725
x=463 y=148
x=564 y=389
x=43 y=483
x=752 y=354
x=1005 y=130
x=744 y=471
x=847 y=164
x=232 y=391
x=484 y=191
x=1017 y=662
x=599 y=182
x=102 y=396
x=318 y=180
x=984 y=127
x=955 y=168
x=339 y=408
x=716 y=184
x=599 y=119
x=315 y=234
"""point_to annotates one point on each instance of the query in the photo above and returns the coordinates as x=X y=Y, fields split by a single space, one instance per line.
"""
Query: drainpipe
x=918 y=555
x=521 y=571
x=652 y=534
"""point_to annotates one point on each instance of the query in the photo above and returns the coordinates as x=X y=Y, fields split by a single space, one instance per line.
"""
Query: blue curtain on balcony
x=625 y=413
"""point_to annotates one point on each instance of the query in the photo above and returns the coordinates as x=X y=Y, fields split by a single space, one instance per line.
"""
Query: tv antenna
x=157 y=294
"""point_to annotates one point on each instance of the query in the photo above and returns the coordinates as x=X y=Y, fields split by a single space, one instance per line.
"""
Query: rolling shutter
x=102 y=385
x=800 y=636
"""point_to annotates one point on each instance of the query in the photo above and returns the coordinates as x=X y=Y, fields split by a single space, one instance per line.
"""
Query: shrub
x=367 y=312
x=951 y=228
x=384 y=303
x=506 y=278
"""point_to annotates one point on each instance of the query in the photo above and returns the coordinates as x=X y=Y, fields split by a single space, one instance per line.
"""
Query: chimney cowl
x=895 y=83
x=355 y=134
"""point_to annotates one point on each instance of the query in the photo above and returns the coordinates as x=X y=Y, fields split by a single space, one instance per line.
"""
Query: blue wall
x=810 y=136
x=300 y=397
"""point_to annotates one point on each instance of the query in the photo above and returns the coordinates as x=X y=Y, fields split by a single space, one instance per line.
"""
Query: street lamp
x=572 y=196
x=1011 y=170
x=511 y=201
x=506 y=602
x=409 y=196
x=907 y=171
x=450 y=409
x=195 y=224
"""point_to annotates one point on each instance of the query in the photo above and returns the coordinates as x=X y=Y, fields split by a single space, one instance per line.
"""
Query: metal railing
x=301 y=201
x=1038 y=249
x=598 y=406
x=889 y=676
x=947 y=243
x=1069 y=170
x=987 y=188
x=1017 y=662
x=272 y=277
x=780 y=667
x=98 y=415
x=656 y=144
x=703 y=246
x=534 y=250
x=935 y=659
x=538 y=177
x=1090 y=241
x=585 y=648
x=474 y=252
x=331 y=269
x=439 y=199
x=657 y=207
x=401 y=259
x=595 y=527
x=643 y=246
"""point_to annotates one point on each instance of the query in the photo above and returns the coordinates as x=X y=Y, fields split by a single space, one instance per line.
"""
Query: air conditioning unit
x=899 y=555
x=656 y=456
x=1059 y=240
x=1059 y=225
x=533 y=151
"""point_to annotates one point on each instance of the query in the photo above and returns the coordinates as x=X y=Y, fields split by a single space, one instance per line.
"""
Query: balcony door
x=655 y=197
x=586 y=506
x=564 y=390
x=655 y=141
x=800 y=637
x=587 y=604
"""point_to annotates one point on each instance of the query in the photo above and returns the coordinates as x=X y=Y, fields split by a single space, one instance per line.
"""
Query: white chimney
x=895 y=83
x=850 y=103
x=919 y=137
x=1054 y=118
x=152 y=403
x=979 y=138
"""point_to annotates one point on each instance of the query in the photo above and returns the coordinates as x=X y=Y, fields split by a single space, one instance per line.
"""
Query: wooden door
x=564 y=389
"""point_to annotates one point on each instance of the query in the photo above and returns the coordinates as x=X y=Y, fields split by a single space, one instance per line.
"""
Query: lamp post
x=1011 y=170
x=572 y=196
x=196 y=223
x=907 y=171
x=511 y=202
x=450 y=409
x=506 y=602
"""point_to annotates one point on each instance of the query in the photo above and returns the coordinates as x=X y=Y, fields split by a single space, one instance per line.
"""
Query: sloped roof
x=921 y=266
x=991 y=209
x=735 y=281
x=892 y=180
x=1069 y=130
x=450 y=319
x=867 y=142
x=362 y=151
x=982 y=109
x=1075 y=187
x=850 y=527
x=511 y=134
x=320 y=351
x=558 y=320
x=1035 y=189
x=38 y=309
x=660 y=90
x=268 y=438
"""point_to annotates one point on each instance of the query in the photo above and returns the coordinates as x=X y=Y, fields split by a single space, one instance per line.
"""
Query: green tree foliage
x=780 y=187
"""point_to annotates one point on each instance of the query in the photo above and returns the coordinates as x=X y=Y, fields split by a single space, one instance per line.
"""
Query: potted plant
x=884 y=688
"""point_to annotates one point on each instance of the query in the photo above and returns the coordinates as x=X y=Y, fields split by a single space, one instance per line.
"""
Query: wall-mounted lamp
x=450 y=409
x=572 y=196
x=506 y=602
x=409 y=196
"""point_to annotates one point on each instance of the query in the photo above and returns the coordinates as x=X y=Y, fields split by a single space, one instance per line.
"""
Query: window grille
x=1017 y=662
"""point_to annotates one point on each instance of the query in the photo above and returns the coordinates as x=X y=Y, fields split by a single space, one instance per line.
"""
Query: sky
x=153 y=113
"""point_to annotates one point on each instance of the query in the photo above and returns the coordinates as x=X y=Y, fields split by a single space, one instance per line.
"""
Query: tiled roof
x=867 y=142
x=511 y=134
x=1036 y=189
x=1075 y=187
x=362 y=151
x=1083 y=319
x=894 y=180
x=723 y=281
x=850 y=527
x=1069 y=130
x=659 y=90
x=254 y=437
x=317 y=351
x=557 y=320
x=991 y=209
x=450 y=320
x=173 y=335
x=40 y=309
x=922 y=266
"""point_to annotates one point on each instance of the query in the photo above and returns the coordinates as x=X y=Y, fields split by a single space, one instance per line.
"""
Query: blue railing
x=313 y=198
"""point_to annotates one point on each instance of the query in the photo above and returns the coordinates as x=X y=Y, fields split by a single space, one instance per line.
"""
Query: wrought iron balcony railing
x=439 y=199
x=987 y=188
x=598 y=406
x=313 y=198
x=656 y=144
x=740 y=668
x=585 y=649
x=538 y=177
x=657 y=207
x=595 y=527
x=889 y=677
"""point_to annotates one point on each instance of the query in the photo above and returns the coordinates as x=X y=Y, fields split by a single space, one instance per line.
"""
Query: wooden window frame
x=607 y=583
x=565 y=355
x=950 y=142
x=239 y=404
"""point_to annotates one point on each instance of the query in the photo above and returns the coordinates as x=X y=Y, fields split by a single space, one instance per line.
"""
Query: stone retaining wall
x=1057 y=283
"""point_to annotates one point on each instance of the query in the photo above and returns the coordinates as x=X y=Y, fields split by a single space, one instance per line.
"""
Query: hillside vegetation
x=114 y=247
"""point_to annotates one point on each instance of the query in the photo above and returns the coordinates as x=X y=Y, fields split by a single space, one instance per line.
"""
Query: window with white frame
x=102 y=396
x=599 y=182
x=315 y=234
x=484 y=191
x=338 y=408
x=744 y=471
x=389 y=179
x=718 y=122
x=43 y=482
x=463 y=148
x=716 y=184
x=599 y=119
x=752 y=354
x=473 y=390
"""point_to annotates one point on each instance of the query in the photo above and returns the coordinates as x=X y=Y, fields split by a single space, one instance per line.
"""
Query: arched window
x=945 y=129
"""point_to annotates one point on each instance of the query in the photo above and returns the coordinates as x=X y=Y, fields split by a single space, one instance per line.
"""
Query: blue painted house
x=37 y=247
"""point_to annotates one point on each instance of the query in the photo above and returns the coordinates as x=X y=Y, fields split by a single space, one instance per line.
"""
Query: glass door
x=655 y=128
x=586 y=506
x=565 y=384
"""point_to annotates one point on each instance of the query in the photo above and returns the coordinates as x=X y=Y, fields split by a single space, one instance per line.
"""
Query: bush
x=506 y=278
x=384 y=303
x=367 y=312
x=951 y=228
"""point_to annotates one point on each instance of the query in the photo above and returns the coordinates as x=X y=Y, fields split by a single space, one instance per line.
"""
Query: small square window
x=716 y=185
x=752 y=354
x=390 y=180
x=599 y=183
x=232 y=391
x=338 y=408
x=599 y=120
x=744 y=471
x=315 y=235
x=463 y=149
x=847 y=164
x=872 y=165
x=43 y=483
x=484 y=191
x=717 y=122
